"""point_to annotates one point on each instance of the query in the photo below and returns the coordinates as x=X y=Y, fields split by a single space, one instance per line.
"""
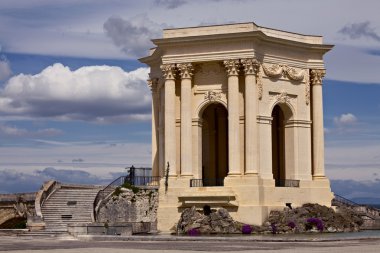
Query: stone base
x=248 y=199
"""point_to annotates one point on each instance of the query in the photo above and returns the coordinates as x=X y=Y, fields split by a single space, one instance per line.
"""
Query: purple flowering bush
x=315 y=222
x=273 y=228
x=193 y=232
x=246 y=229
x=291 y=224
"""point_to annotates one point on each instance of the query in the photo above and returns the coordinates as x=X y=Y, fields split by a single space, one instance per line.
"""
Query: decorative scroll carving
x=259 y=83
x=276 y=70
x=232 y=67
x=212 y=95
x=186 y=70
x=273 y=70
x=282 y=98
x=307 y=88
x=168 y=71
x=294 y=74
x=316 y=76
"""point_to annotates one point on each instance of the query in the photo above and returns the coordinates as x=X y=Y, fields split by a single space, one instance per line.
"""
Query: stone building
x=237 y=114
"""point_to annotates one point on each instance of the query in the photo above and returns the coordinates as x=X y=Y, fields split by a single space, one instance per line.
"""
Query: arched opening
x=278 y=146
x=214 y=145
x=14 y=223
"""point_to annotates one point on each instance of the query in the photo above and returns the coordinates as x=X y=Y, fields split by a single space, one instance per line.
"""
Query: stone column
x=153 y=83
x=232 y=67
x=170 y=131
x=251 y=68
x=186 y=72
x=316 y=76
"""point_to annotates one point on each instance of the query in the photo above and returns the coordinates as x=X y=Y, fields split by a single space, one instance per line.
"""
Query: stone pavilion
x=237 y=117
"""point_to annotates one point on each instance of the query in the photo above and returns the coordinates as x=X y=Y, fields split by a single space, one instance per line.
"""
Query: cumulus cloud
x=345 y=119
x=12 y=181
x=360 y=30
x=94 y=93
x=132 y=36
x=14 y=131
x=70 y=176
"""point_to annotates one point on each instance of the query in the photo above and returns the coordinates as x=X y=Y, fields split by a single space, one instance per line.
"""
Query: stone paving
x=71 y=245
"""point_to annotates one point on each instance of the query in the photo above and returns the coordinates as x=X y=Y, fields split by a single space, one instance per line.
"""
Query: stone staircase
x=69 y=204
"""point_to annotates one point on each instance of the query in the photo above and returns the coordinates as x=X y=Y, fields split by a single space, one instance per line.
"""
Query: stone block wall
x=126 y=206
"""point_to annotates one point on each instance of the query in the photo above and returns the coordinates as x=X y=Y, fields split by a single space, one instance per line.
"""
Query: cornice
x=259 y=35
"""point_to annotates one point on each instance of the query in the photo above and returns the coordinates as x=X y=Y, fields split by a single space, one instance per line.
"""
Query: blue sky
x=74 y=105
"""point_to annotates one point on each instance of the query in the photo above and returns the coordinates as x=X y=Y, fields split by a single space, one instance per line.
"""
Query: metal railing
x=287 y=183
x=342 y=200
x=206 y=182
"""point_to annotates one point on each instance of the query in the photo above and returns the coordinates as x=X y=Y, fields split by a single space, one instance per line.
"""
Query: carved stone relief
x=283 y=98
x=277 y=71
x=212 y=95
x=307 y=88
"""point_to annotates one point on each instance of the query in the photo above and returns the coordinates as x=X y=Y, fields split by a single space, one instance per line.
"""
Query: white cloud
x=345 y=119
x=93 y=93
x=13 y=131
x=132 y=36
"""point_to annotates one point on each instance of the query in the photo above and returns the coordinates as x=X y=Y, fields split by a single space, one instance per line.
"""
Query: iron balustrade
x=206 y=182
x=132 y=179
x=287 y=183
x=143 y=181
x=342 y=200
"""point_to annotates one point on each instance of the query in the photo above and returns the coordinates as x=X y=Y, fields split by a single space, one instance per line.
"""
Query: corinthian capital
x=251 y=66
x=153 y=83
x=185 y=70
x=168 y=71
x=232 y=67
x=316 y=76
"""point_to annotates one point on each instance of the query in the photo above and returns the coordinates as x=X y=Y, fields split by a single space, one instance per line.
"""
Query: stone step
x=56 y=206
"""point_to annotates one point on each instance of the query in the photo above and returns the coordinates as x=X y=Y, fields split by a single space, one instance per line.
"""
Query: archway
x=214 y=145
x=278 y=146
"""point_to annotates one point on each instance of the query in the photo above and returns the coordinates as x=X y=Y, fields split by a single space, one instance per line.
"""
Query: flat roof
x=239 y=28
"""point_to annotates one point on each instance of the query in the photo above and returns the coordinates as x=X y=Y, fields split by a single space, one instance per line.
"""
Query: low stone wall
x=99 y=228
x=125 y=205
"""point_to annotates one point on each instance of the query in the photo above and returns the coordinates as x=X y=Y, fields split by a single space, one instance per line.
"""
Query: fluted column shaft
x=251 y=68
x=155 y=107
x=186 y=70
x=170 y=140
x=232 y=67
x=317 y=123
